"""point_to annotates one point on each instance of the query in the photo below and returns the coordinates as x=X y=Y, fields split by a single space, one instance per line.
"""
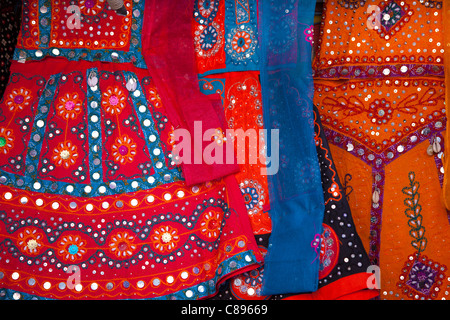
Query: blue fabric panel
x=296 y=196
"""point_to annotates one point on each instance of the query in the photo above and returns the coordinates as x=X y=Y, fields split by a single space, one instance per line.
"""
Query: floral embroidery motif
x=208 y=41
x=102 y=35
x=413 y=213
x=6 y=140
x=165 y=239
x=91 y=7
x=208 y=38
x=329 y=251
x=30 y=241
x=69 y=106
x=72 y=248
x=154 y=98
x=113 y=100
x=118 y=252
x=207 y=7
x=124 y=149
x=65 y=154
x=18 y=99
x=251 y=197
x=208 y=33
x=391 y=14
x=35 y=137
x=248 y=285
x=122 y=245
x=241 y=41
x=393 y=17
x=345 y=112
x=421 y=278
x=241 y=44
x=381 y=111
x=210 y=226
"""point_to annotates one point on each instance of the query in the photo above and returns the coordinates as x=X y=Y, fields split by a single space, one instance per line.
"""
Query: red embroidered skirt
x=92 y=205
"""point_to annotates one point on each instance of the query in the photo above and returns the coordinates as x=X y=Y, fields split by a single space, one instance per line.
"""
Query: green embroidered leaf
x=407 y=191
x=412 y=177
x=416 y=198
x=417 y=209
x=417 y=233
x=410 y=213
x=413 y=212
x=409 y=203
x=415 y=187
x=420 y=245
x=415 y=223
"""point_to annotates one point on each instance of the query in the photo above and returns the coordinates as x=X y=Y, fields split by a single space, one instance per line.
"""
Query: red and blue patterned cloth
x=94 y=203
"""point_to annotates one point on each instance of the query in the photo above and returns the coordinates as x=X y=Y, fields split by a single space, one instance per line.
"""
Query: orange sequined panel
x=380 y=38
x=380 y=113
x=380 y=90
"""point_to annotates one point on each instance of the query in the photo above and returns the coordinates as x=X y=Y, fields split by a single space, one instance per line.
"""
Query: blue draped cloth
x=296 y=197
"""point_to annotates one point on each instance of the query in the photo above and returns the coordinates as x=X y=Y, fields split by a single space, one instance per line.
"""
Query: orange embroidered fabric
x=380 y=38
x=446 y=184
x=380 y=91
x=381 y=114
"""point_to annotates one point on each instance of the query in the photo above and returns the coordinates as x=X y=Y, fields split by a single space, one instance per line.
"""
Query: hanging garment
x=379 y=89
x=238 y=54
x=446 y=167
x=241 y=93
x=344 y=269
x=296 y=198
x=177 y=81
x=93 y=204
x=227 y=53
x=345 y=272
x=242 y=109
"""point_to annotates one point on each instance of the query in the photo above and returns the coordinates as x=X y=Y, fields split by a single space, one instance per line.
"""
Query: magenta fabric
x=169 y=55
